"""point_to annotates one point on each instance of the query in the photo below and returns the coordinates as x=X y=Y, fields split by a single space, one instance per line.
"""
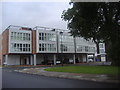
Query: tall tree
x=97 y=21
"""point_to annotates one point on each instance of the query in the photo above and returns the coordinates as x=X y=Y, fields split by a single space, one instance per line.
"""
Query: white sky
x=31 y=14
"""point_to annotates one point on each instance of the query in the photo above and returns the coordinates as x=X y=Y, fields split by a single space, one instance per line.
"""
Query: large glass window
x=18 y=47
x=20 y=36
x=47 y=37
x=47 y=47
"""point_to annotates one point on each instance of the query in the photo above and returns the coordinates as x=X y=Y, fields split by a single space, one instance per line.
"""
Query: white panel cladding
x=13 y=60
x=22 y=39
x=84 y=46
x=46 y=41
x=67 y=42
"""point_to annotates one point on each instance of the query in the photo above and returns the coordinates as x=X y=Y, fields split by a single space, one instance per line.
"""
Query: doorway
x=25 y=60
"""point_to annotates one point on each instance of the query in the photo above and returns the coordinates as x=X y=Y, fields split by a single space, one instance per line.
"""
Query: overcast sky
x=31 y=14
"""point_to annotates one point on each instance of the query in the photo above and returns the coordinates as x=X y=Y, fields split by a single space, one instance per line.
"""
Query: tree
x=95 y=20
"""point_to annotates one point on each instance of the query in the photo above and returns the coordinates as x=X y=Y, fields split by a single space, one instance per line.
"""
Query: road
x=11 y=79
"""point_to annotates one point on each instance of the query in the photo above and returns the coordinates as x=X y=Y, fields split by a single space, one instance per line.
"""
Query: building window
x=29 y=37
x=12 y=35
x=40 y=36
x=15 y=35
x=44 y=36
x=40 y=49
x=23 y=47
x=20 y=47
x=23 y=36
x=47 y=37
x=86 y=48
x=102 y=51
x=80 y=48
x=20 y=36
x=47 y=47
x=101 y=45
x=29 y=47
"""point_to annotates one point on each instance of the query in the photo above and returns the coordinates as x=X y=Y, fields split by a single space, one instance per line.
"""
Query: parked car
x=90 y=60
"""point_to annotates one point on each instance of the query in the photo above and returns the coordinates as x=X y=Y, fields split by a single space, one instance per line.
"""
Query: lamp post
x=61 y=33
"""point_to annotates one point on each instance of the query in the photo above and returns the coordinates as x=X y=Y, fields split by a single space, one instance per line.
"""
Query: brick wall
x=0 y=49
x=33 y=42
x=5 y=42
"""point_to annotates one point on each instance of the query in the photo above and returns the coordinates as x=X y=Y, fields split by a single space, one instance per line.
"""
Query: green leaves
x=97 y=20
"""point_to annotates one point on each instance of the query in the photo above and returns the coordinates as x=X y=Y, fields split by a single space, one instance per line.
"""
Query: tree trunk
x=97 y=46
x=98 y=51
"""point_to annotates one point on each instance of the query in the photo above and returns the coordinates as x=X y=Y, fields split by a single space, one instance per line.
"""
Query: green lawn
x=86 y=69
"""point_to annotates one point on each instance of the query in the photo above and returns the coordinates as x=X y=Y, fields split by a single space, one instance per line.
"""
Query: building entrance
x=25 y=60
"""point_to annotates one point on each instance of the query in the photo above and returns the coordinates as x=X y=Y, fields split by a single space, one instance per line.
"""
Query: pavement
x=91 y=77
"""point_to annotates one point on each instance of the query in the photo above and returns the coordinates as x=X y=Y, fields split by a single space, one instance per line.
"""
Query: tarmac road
x=11 y=79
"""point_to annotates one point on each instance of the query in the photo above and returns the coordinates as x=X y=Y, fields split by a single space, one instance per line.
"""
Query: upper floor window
x=47 y=37
x=101 y=45
x=20 y=36
x=86 y=48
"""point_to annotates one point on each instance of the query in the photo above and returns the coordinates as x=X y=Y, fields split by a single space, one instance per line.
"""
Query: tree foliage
x=99 y=21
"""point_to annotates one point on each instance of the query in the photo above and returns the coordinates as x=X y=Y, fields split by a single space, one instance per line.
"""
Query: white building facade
x=46 y=46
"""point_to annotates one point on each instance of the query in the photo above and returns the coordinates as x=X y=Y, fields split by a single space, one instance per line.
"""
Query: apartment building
x=41 y=45
x=17 y=45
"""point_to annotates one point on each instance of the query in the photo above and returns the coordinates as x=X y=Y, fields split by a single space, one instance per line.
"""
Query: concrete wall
x=13 y=59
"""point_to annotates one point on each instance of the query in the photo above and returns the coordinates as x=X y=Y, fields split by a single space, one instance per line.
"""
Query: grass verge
x=112 y=70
